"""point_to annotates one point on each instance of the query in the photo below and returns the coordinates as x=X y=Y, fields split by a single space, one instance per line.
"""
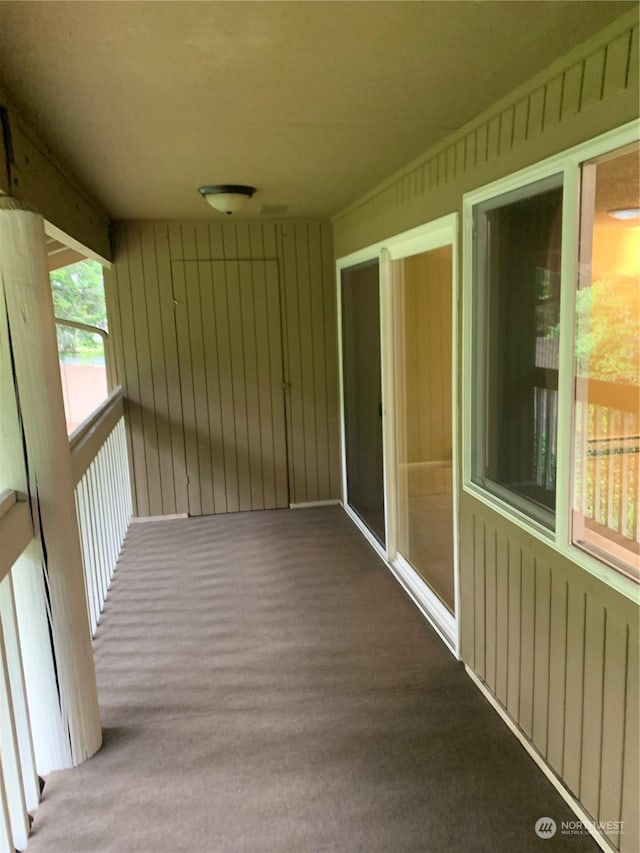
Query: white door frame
x=433 y=235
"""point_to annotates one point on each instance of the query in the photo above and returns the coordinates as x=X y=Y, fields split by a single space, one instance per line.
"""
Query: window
x=605 y=518
x=551 y=391
x=518 y=254
x=81 y=326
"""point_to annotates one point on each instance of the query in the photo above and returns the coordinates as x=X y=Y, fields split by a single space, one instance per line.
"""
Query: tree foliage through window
x=78 y=295
x=607 y=343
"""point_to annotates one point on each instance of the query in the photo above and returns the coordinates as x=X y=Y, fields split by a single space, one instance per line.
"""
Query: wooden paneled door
x=231 y=377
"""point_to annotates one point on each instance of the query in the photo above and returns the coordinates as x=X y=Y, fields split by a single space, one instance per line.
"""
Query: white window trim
x=568 y=163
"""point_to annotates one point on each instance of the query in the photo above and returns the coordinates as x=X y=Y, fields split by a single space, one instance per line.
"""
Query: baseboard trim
x=557 y=783
x=143 y=519
x=307 y=504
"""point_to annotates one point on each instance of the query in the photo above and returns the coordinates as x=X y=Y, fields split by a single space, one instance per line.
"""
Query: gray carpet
x=266 y=686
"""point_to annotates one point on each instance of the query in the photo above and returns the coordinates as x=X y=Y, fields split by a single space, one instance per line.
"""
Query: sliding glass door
x=362 y=396
x=422 y=285
x=398 y=316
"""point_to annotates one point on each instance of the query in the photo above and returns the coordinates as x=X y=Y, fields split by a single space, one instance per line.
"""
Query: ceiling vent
x=273 y=209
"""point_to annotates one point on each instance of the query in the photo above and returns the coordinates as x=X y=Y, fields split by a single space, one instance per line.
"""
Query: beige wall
x=556 y=647
x=152 y=342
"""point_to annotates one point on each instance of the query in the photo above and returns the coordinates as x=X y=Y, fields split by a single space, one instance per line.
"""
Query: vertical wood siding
x=560 y=652
x=228 y=316
x=189 y=301
x=557 y=648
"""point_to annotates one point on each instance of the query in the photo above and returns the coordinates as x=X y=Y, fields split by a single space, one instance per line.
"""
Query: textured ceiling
x=311 y=102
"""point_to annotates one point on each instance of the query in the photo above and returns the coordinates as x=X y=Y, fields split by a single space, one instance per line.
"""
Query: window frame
x=566 y=164
x=106 y=341
x=109 y=361
x=479 y=450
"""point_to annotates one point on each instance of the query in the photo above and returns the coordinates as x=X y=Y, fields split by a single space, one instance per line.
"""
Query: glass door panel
x=362 y=394
x=423 y=329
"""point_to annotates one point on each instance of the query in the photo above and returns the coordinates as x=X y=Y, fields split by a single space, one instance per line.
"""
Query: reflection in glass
x=518 y=252
x=607 y=423
x=83 y=372
x=81 y=323
x=362 y=394
x=422 y=289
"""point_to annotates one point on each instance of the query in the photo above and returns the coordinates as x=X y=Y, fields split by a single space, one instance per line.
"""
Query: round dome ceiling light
x=227 y=198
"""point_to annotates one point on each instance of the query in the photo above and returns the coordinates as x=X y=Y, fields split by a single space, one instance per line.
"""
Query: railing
x=545 y=450
x=103 y=497
x=27 y=670
x=608 y=469
x=19 y=783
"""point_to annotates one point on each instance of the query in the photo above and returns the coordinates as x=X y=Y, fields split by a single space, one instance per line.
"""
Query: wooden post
x=51 y=744
x=32 y=339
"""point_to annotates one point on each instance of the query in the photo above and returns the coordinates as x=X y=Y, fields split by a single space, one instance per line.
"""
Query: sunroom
x=336 y=491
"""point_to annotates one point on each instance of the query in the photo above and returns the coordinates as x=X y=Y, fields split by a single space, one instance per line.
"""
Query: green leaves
x=78 y=295
x=607 y=339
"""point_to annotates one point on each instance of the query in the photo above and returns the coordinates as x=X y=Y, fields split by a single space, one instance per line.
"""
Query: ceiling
x=311 y=102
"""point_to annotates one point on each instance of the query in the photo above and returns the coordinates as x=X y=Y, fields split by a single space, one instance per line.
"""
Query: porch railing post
x=27 y=301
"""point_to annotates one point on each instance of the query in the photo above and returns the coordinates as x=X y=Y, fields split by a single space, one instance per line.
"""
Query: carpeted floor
x=266 y=686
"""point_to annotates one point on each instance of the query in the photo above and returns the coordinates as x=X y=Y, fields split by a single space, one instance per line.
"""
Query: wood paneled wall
x=556 y=647
x=231 y=381
x=143 y=296
x=559 y=650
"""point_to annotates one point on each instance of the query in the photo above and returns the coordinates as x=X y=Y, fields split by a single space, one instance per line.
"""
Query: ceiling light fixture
x=625 y=213
x=227 y=198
